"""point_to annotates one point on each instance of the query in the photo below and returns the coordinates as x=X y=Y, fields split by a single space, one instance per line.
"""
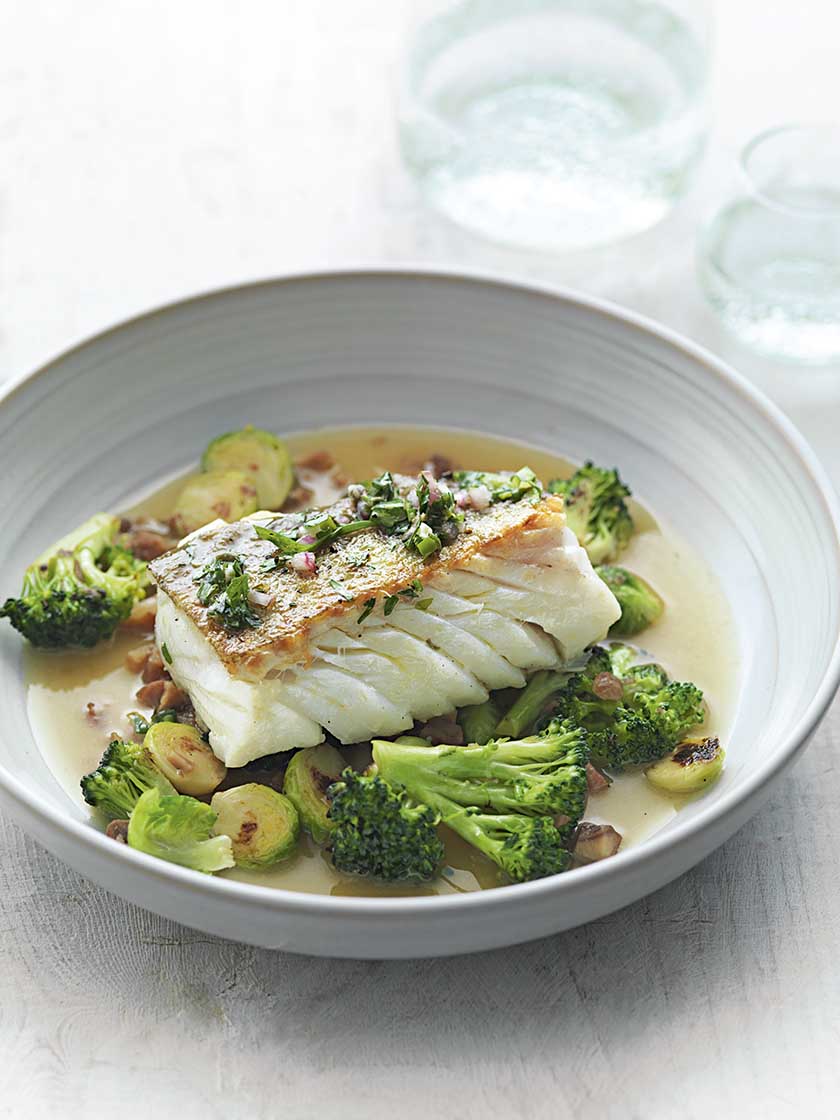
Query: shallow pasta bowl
x=564 y=372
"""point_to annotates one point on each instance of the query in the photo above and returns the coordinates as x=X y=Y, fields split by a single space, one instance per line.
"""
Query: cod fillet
x=512 y=594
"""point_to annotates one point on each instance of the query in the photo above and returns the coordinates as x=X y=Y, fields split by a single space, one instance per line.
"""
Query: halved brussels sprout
x=309 y=775
x=181 y=754
x=262 y=824
x=694 y=764
x=206 y=497
x=261 y=455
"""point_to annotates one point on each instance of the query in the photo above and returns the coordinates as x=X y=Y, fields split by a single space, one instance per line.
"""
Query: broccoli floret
x=596 y=511
x=524 y=847
x=640 y=605
x=178 y=829
x=526 y=709
x=635 y=678
x=478 y=721
x=622 y=659
x=674 y=710
x=632 y=713
x=543 y=775
x=627 y=740
x=79 y=590
x=125 y=772
x=377 y=830
x=514 y=800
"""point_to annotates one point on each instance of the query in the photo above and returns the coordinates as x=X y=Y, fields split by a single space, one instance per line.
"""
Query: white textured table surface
x=148 y=150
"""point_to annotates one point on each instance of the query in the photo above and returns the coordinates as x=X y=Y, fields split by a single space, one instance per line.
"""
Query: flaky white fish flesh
x=524 y=600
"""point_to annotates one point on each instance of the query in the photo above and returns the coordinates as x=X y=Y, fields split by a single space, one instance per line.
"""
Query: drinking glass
x=555 y=124
x=769 y=260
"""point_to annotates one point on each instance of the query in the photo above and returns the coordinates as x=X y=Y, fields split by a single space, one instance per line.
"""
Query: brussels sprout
x=309 y=775
x=261 y=455
x=226 y=494
x=695 y=763
x=640 y=604
x=178 y=829
x=262 y=824
x=180 y=753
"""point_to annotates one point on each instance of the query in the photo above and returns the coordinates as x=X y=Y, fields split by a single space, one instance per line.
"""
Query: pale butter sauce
x=695 y=641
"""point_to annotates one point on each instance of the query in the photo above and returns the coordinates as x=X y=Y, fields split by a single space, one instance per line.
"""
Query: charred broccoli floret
x=640 y=605
x=125 y=772
x=513 y=800
x=377 y=830
x=596 y=511
x=79 y=590
x=632 y=713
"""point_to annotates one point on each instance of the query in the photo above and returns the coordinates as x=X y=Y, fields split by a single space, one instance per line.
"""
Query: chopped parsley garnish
x=414 y=589
x=138 y=722
x=369 y=604
x=424 y=516
x=165 y=715
x=141 y=725
x=223 y=589
x=391 y=602
x=321 y=530
x=165 y=654
x=502 y=487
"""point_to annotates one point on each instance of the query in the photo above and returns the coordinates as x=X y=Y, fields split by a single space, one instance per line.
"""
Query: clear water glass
x=769 y=260
x=555 y=124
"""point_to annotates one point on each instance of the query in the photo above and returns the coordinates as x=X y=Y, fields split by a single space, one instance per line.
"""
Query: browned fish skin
x=366 y=564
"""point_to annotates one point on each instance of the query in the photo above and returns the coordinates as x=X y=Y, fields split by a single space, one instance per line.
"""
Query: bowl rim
x=599 y=875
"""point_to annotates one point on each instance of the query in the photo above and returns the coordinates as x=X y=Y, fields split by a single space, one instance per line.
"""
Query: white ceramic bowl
x=703 y=447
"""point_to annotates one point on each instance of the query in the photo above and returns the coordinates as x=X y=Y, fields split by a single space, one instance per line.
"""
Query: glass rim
x=775 y=132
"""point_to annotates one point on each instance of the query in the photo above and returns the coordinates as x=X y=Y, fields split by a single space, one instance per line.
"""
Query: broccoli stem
x=470 y=826
x=500 y=796
x=528 y=706
x=95 y=535
x=479 y=721
x=495 y=834
x=542 y=775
